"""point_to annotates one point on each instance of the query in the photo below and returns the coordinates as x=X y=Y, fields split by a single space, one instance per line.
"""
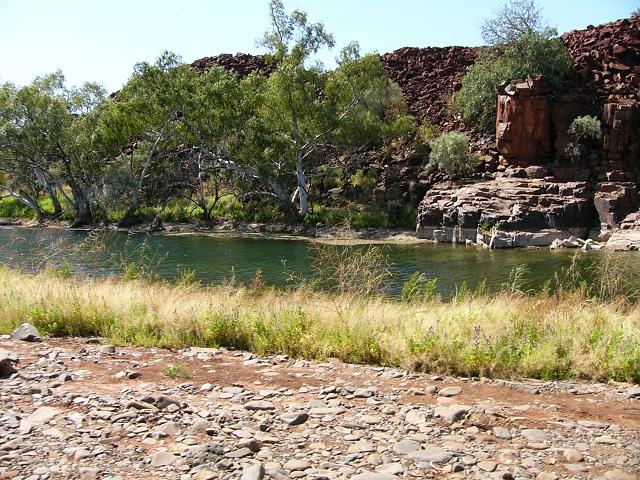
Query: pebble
x=314 y=421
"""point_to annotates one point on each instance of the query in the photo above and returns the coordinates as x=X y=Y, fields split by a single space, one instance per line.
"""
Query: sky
x=100 y=40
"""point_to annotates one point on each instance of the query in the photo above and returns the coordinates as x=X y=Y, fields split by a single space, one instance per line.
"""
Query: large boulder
x=27 y=333
x=505 y=211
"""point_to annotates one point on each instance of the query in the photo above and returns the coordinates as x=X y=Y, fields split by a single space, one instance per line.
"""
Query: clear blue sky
x=102 y=40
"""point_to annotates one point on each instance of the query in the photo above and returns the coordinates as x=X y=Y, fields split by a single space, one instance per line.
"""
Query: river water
x=222 y=258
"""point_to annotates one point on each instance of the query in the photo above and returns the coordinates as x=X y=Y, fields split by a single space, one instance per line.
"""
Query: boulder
x=8 y=360
x=27 y=333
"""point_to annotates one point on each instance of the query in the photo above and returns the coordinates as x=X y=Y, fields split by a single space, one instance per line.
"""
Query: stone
x=374 y=476
x=27 y=333
x=502 y=433
x=107 y=349
x=259 y=405
x=452 y=413
x=487 y=465
x=89 y=473
x=535 y=435
x=619 y=475
x=572 y=455
x=364 y=393
x=7 y=363
x=254 y=471
x=42 y=416
x=406 y=446
x=391 y=468
x=295 y=464
x=162 y=458
x=431 y=454
x=293 y=419
x=449 y=391
x=239 y=453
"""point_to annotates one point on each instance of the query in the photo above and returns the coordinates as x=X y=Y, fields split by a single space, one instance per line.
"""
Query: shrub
x=583 y=129
x=365 y=181
x=401 y=128
x=532 y=54
x=450 y=153
x=427 y=131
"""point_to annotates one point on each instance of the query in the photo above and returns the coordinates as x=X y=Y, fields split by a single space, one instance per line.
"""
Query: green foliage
x=420 y=288
x=426 y=132
x=178 y=369
x=187 y=278
x=585 y=127
x=401 y=128
x=450 y=153
x=366 y=181
x=527 y=54
x=513 y=20
x=584 y=130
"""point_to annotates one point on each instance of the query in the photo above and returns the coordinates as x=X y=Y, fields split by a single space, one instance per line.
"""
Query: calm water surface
x=219 y=258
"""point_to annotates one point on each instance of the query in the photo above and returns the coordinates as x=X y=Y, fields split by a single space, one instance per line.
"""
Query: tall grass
x=566 y=334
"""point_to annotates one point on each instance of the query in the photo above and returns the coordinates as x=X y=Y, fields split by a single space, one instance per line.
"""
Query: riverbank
x=278 y=231
x=550 y=336
x=143 y=413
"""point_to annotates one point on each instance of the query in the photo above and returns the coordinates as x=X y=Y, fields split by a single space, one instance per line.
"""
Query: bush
x=583 y=129
x=534 y=53
x=450 y=153
x=427 y=131
x=401 y=128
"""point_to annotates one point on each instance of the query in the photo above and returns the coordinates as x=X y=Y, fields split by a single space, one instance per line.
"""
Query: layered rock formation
x=505 y=211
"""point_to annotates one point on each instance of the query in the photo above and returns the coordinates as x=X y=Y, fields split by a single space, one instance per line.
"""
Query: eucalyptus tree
x=305 y=112
x=39 y=144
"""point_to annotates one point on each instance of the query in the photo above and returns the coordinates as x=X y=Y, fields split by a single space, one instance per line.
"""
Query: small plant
x=427 y=131
x=419 y=287
x=177 y=370
x=366 y=181
x=402 y=128
x=187 y=278
x=450 y=154
x=517 y=280
x=583 y=130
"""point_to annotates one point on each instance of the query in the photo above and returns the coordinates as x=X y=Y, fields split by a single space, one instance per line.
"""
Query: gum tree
x=304 y=111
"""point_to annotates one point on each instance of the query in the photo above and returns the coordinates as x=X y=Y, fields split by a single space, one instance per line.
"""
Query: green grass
x=177 y=370
x=565 y=335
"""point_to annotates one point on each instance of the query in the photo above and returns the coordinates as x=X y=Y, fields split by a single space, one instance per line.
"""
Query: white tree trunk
x=303 y=195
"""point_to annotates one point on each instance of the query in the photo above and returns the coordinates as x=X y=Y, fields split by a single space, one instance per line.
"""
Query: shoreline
x=327 y=235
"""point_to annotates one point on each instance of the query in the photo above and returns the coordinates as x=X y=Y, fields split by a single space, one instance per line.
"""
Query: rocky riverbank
x=83 y=409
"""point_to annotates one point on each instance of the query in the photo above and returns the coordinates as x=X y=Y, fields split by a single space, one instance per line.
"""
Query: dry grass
x=547 y=336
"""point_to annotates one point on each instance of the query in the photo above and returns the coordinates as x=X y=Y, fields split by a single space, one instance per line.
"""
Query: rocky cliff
x=594 y=194
x=530 y=183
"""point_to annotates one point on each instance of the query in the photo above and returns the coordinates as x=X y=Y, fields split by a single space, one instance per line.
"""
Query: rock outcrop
x=523 y=122
x=605 y=59
x=505 y=211
x=241 y=63
x=428 y=78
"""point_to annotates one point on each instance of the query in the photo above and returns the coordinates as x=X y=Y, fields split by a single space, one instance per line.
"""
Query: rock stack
x=428 y=78
x=607 y=58
x=241 y=63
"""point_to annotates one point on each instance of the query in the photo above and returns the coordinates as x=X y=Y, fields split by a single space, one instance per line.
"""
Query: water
x=219 y=258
